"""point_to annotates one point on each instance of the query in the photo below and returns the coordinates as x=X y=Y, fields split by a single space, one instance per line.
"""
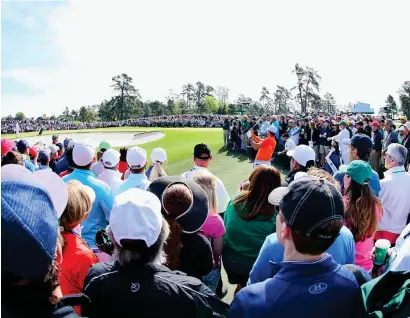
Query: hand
x=251 y=130
x=330 y=138
x=373 y=253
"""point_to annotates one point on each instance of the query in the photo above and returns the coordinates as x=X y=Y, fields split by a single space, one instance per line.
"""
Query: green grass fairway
x=231 y=167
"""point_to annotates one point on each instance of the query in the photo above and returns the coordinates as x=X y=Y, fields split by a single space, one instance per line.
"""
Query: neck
x=291 y=254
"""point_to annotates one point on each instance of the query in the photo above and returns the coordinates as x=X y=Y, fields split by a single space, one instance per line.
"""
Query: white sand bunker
x=116 y=139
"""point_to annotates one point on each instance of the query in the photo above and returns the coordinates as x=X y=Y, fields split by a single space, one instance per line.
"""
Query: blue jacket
x=302 y=289
x=100 y=211
x=374 y=182
x=342 y=251
x=377 y=140
x=62 y=164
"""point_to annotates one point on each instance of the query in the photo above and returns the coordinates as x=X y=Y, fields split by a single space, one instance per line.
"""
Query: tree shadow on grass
x=241 y=156
x=223 y=149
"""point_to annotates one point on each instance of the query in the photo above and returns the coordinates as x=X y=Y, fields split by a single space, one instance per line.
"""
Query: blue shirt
x=374 y=182
x=264 y=128
x=29 y=165
x=62 y=164
x=41 y=167
x=342 y=251
x=139 y=181
x=276 y=124
x=100 y=211
x=302 y=289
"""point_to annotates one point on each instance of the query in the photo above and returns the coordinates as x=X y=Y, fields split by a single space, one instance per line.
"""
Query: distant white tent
x=362 y=108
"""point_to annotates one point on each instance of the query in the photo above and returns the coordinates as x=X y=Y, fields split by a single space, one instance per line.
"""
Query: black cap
x=310 y=203
x=360 y=123
x=201 y=151
x=362 y=142
x=193 y=219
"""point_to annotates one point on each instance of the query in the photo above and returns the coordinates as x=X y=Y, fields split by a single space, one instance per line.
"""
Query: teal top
x=243 y=239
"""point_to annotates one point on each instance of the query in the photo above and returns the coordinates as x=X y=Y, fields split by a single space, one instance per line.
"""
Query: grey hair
x=398 y=152
x=124 y=256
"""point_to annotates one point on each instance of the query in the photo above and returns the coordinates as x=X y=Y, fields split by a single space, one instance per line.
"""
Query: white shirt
x=395 y=198
x=294 y=134
x=401 y=261
x=112 y=178
x=343 y=138
x=290 y=144
x=98 y=168
x=222 y=196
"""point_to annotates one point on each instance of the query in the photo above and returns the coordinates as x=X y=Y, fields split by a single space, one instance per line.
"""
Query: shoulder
x=338 y=175
x=375 y=175
x=98 y=272
x=345 y=233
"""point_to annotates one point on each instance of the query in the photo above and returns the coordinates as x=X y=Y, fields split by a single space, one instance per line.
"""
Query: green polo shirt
x=244 y=239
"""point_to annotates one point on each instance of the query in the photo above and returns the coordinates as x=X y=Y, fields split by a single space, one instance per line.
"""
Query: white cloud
x=360 y=48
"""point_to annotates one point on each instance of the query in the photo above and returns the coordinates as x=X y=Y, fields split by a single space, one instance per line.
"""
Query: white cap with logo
x=136 y=157
x=136 y=215
x=302 y=154
x=111 y=158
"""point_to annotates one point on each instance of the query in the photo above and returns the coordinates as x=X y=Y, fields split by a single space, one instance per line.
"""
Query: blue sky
x=64 y=53
x=26 y=41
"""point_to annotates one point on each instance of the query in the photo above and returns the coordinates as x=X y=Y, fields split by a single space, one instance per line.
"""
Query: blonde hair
x=157 y=171
x=320 y=173
x=207 y=181
x=78 y=206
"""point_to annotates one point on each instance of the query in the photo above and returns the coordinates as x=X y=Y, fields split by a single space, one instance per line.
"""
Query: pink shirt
x=364 y=248
x=214 y=226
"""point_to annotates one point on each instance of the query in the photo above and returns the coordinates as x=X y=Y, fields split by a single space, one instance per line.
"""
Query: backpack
x=387 y=296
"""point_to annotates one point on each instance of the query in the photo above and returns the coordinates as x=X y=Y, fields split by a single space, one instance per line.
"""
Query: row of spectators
x=132 y=240
x=9 y=126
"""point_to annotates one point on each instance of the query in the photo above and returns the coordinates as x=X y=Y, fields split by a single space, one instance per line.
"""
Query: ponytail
x=173 y=245
x=157 y=171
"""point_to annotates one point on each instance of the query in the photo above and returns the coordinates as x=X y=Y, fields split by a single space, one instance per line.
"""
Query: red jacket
x=77 y=260
x=122 y=168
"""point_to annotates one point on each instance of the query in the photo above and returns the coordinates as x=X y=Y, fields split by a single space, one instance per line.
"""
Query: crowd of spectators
x=94 y=232
x=8 y=125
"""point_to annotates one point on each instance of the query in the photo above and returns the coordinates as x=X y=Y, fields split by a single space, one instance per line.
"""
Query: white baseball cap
x=111 y=158
x=44 y=179
x=136 y=215
x=290 y=145
x=136 y=157
x=83 y=153
x=302 y=154
x=159 y=154
x=401 y=128
x=53 y=148
x=277 y=194
x=272 y=129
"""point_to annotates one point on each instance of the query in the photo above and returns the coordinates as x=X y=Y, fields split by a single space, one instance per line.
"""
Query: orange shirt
x=267 y=148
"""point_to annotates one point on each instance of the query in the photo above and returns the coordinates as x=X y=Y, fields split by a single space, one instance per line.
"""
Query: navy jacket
x=377 y=140
x=302 y=289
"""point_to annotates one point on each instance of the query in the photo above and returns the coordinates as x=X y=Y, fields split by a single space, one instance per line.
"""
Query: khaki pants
x=226 y=137
x=375 y=156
